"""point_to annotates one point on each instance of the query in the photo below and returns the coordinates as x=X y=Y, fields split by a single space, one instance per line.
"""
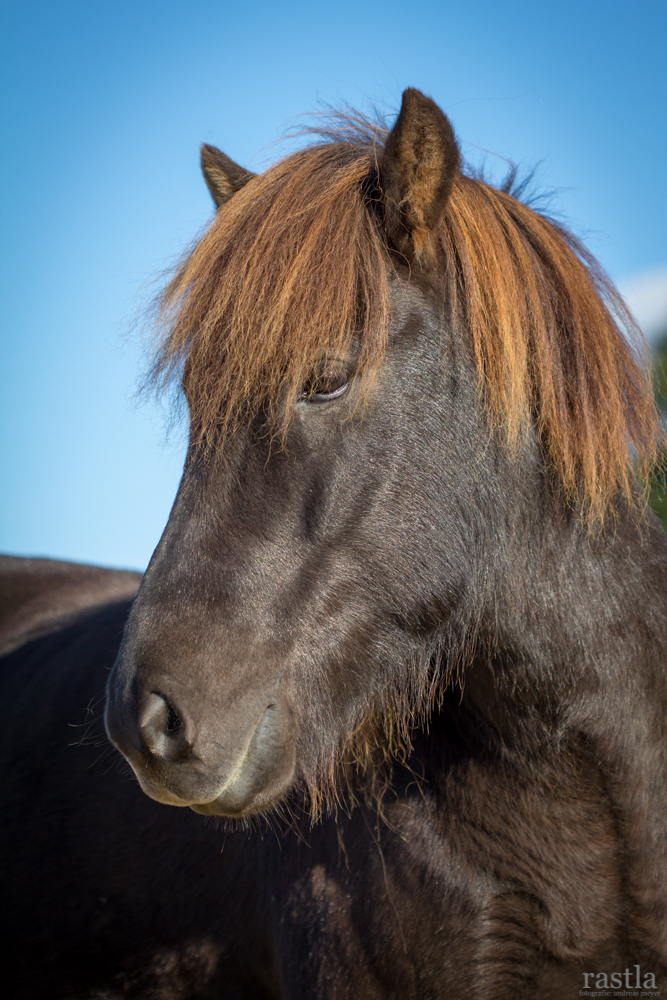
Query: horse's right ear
x=223 y=177
x=417 y=171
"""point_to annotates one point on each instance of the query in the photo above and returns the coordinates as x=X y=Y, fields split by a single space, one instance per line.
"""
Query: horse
x=399 y=654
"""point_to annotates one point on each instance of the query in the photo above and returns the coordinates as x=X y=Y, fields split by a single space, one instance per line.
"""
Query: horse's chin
x=235 y=802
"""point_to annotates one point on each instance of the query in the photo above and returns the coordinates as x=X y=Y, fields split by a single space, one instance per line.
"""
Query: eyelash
x=330 y=382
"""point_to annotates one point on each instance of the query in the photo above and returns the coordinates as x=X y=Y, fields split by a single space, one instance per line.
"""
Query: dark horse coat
x=404 y=630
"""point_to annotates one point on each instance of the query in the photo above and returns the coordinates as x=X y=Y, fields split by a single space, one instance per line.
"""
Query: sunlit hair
x=294 y=267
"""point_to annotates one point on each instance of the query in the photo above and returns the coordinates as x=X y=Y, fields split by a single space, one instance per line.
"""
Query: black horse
x=404 y=628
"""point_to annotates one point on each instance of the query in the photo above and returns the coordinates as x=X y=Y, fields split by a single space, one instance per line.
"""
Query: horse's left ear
x=417 y=170
x=223 y=177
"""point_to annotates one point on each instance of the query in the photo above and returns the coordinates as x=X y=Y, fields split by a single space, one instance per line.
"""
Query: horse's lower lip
x=225 y=804
x=228 y=803
x=208 y=809
x=219 y=807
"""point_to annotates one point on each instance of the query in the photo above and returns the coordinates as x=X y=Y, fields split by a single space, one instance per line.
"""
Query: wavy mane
x=294 y=267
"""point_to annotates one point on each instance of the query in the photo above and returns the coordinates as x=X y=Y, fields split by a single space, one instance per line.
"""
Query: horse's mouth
x=256 y=778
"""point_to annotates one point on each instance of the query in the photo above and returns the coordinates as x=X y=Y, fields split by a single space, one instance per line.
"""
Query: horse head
x=379 y=356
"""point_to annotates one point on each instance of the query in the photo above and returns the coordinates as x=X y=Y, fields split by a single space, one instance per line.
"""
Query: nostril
x=161 y=726
x=173 y=723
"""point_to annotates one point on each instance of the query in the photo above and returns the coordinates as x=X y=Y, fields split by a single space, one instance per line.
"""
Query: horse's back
x=61 y=625
x=60 y=628
x=106 y=893
x=38 y=596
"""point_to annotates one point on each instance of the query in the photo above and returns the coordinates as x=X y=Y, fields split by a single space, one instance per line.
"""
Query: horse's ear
x=223 y=177
x=417 y=171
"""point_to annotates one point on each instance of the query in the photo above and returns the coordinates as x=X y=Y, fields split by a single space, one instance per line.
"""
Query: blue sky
x=104 y=106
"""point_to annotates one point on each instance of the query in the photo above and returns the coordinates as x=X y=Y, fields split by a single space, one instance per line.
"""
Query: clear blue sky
x=104 y=107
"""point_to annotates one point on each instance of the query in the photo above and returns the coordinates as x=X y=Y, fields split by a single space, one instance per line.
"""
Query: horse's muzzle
x=243 y=765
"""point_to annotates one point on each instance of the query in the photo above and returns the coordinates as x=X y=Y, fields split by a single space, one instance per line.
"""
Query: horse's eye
x=329 y=382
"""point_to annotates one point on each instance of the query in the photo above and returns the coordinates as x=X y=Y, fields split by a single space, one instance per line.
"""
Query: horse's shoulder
x=37 y=595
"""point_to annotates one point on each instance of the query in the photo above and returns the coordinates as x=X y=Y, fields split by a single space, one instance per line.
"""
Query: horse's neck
x=573 y=615
x=574 y=673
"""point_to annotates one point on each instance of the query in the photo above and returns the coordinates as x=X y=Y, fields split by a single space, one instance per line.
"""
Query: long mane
x=295 y=267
